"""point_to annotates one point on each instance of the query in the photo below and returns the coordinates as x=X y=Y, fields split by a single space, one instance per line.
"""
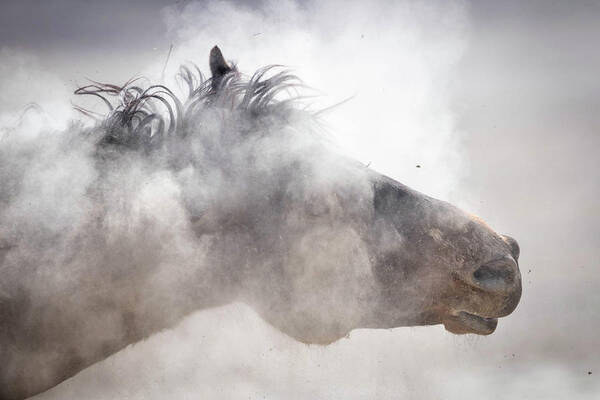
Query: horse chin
x=463 y=322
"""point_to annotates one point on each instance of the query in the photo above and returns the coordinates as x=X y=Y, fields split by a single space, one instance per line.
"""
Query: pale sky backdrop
x=498 y=101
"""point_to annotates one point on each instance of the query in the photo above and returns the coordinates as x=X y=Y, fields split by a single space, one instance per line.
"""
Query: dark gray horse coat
x=112 y=233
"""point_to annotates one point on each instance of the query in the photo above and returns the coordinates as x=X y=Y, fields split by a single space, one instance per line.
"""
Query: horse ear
x=218 y=65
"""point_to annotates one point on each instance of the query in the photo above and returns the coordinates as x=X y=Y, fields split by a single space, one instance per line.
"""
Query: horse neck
x=117 y=299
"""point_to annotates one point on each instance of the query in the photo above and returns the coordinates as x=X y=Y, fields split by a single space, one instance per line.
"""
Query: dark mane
x=144 y=118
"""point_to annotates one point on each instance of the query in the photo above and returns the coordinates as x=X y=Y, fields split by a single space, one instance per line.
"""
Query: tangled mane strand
x=143 y=118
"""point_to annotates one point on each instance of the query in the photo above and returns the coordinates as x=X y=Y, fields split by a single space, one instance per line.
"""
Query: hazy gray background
x=499 y=102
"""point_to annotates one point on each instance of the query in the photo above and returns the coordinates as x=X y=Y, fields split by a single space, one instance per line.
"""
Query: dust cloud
x=497 y=105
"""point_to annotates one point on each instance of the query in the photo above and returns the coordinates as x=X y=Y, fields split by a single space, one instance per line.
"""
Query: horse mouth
x=463 y=322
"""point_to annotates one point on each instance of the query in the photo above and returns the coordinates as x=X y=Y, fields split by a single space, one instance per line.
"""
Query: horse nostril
x=497 y=275
x=515 y=250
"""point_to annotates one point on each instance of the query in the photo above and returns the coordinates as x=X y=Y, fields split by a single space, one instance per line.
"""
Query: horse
x=171 y=204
